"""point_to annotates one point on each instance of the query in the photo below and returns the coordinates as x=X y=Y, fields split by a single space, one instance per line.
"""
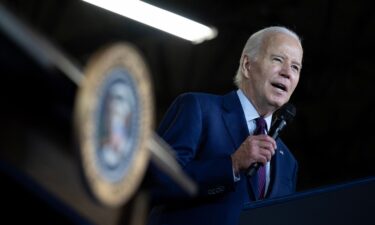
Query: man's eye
x=295 y=68
x=277 y=59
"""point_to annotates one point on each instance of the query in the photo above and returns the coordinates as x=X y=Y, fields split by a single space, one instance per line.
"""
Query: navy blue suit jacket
x=205 y=130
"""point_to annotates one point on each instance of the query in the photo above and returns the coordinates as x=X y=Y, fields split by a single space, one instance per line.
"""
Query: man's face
x=273 y=75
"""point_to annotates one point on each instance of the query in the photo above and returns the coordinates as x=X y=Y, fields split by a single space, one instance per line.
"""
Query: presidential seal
x=113 y=121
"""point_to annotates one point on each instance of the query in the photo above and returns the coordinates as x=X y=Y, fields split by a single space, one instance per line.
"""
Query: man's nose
x=286 y=70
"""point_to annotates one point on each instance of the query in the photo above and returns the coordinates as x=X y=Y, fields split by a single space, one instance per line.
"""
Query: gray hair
x=254 y=44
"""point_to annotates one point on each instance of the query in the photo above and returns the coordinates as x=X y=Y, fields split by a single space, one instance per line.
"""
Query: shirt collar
x=249 y=109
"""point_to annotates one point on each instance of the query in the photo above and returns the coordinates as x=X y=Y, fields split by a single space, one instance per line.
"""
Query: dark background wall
x=332 y=135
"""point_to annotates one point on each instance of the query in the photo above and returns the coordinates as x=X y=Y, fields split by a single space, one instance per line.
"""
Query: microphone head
x=287 y=112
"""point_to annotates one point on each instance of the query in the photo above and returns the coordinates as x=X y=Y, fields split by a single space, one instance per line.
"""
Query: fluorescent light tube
x=158 y=18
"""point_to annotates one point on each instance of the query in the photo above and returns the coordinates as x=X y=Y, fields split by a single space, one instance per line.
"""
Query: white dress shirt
x=250 y=115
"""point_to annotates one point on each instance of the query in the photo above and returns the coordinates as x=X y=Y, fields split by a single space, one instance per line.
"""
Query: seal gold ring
x=114 y=121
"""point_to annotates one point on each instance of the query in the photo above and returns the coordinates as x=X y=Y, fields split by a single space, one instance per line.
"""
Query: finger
x=266 y=154
x=266 y=138
x=262 y=159
x=267 y=146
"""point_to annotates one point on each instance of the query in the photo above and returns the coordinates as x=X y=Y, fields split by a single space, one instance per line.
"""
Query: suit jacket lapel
x=234 y=119
x=235 y=122
x=276 y=164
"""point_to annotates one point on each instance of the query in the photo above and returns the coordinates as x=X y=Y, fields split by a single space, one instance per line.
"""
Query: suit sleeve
x=183 y=128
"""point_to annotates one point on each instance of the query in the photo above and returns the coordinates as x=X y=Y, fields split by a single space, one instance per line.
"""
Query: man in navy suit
x=214 y=141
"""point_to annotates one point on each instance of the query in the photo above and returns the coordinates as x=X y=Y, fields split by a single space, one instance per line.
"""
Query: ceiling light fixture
x=159 y=18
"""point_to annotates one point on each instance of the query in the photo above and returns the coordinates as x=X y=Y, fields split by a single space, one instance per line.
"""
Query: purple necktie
x=261 y=127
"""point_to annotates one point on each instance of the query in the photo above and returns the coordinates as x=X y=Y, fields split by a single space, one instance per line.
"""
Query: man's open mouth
x=279 y=86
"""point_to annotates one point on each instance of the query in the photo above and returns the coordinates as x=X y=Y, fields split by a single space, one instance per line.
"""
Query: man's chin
x=278 y=103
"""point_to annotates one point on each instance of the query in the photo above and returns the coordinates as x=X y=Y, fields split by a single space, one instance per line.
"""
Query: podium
x=343 y=204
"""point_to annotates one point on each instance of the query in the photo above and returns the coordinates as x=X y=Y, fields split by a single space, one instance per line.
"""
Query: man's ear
x=245 y=66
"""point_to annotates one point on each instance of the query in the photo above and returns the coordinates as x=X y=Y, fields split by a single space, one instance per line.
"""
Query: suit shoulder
x=199 y=97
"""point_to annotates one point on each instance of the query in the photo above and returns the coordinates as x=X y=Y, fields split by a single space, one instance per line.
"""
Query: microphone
x=283 y=116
